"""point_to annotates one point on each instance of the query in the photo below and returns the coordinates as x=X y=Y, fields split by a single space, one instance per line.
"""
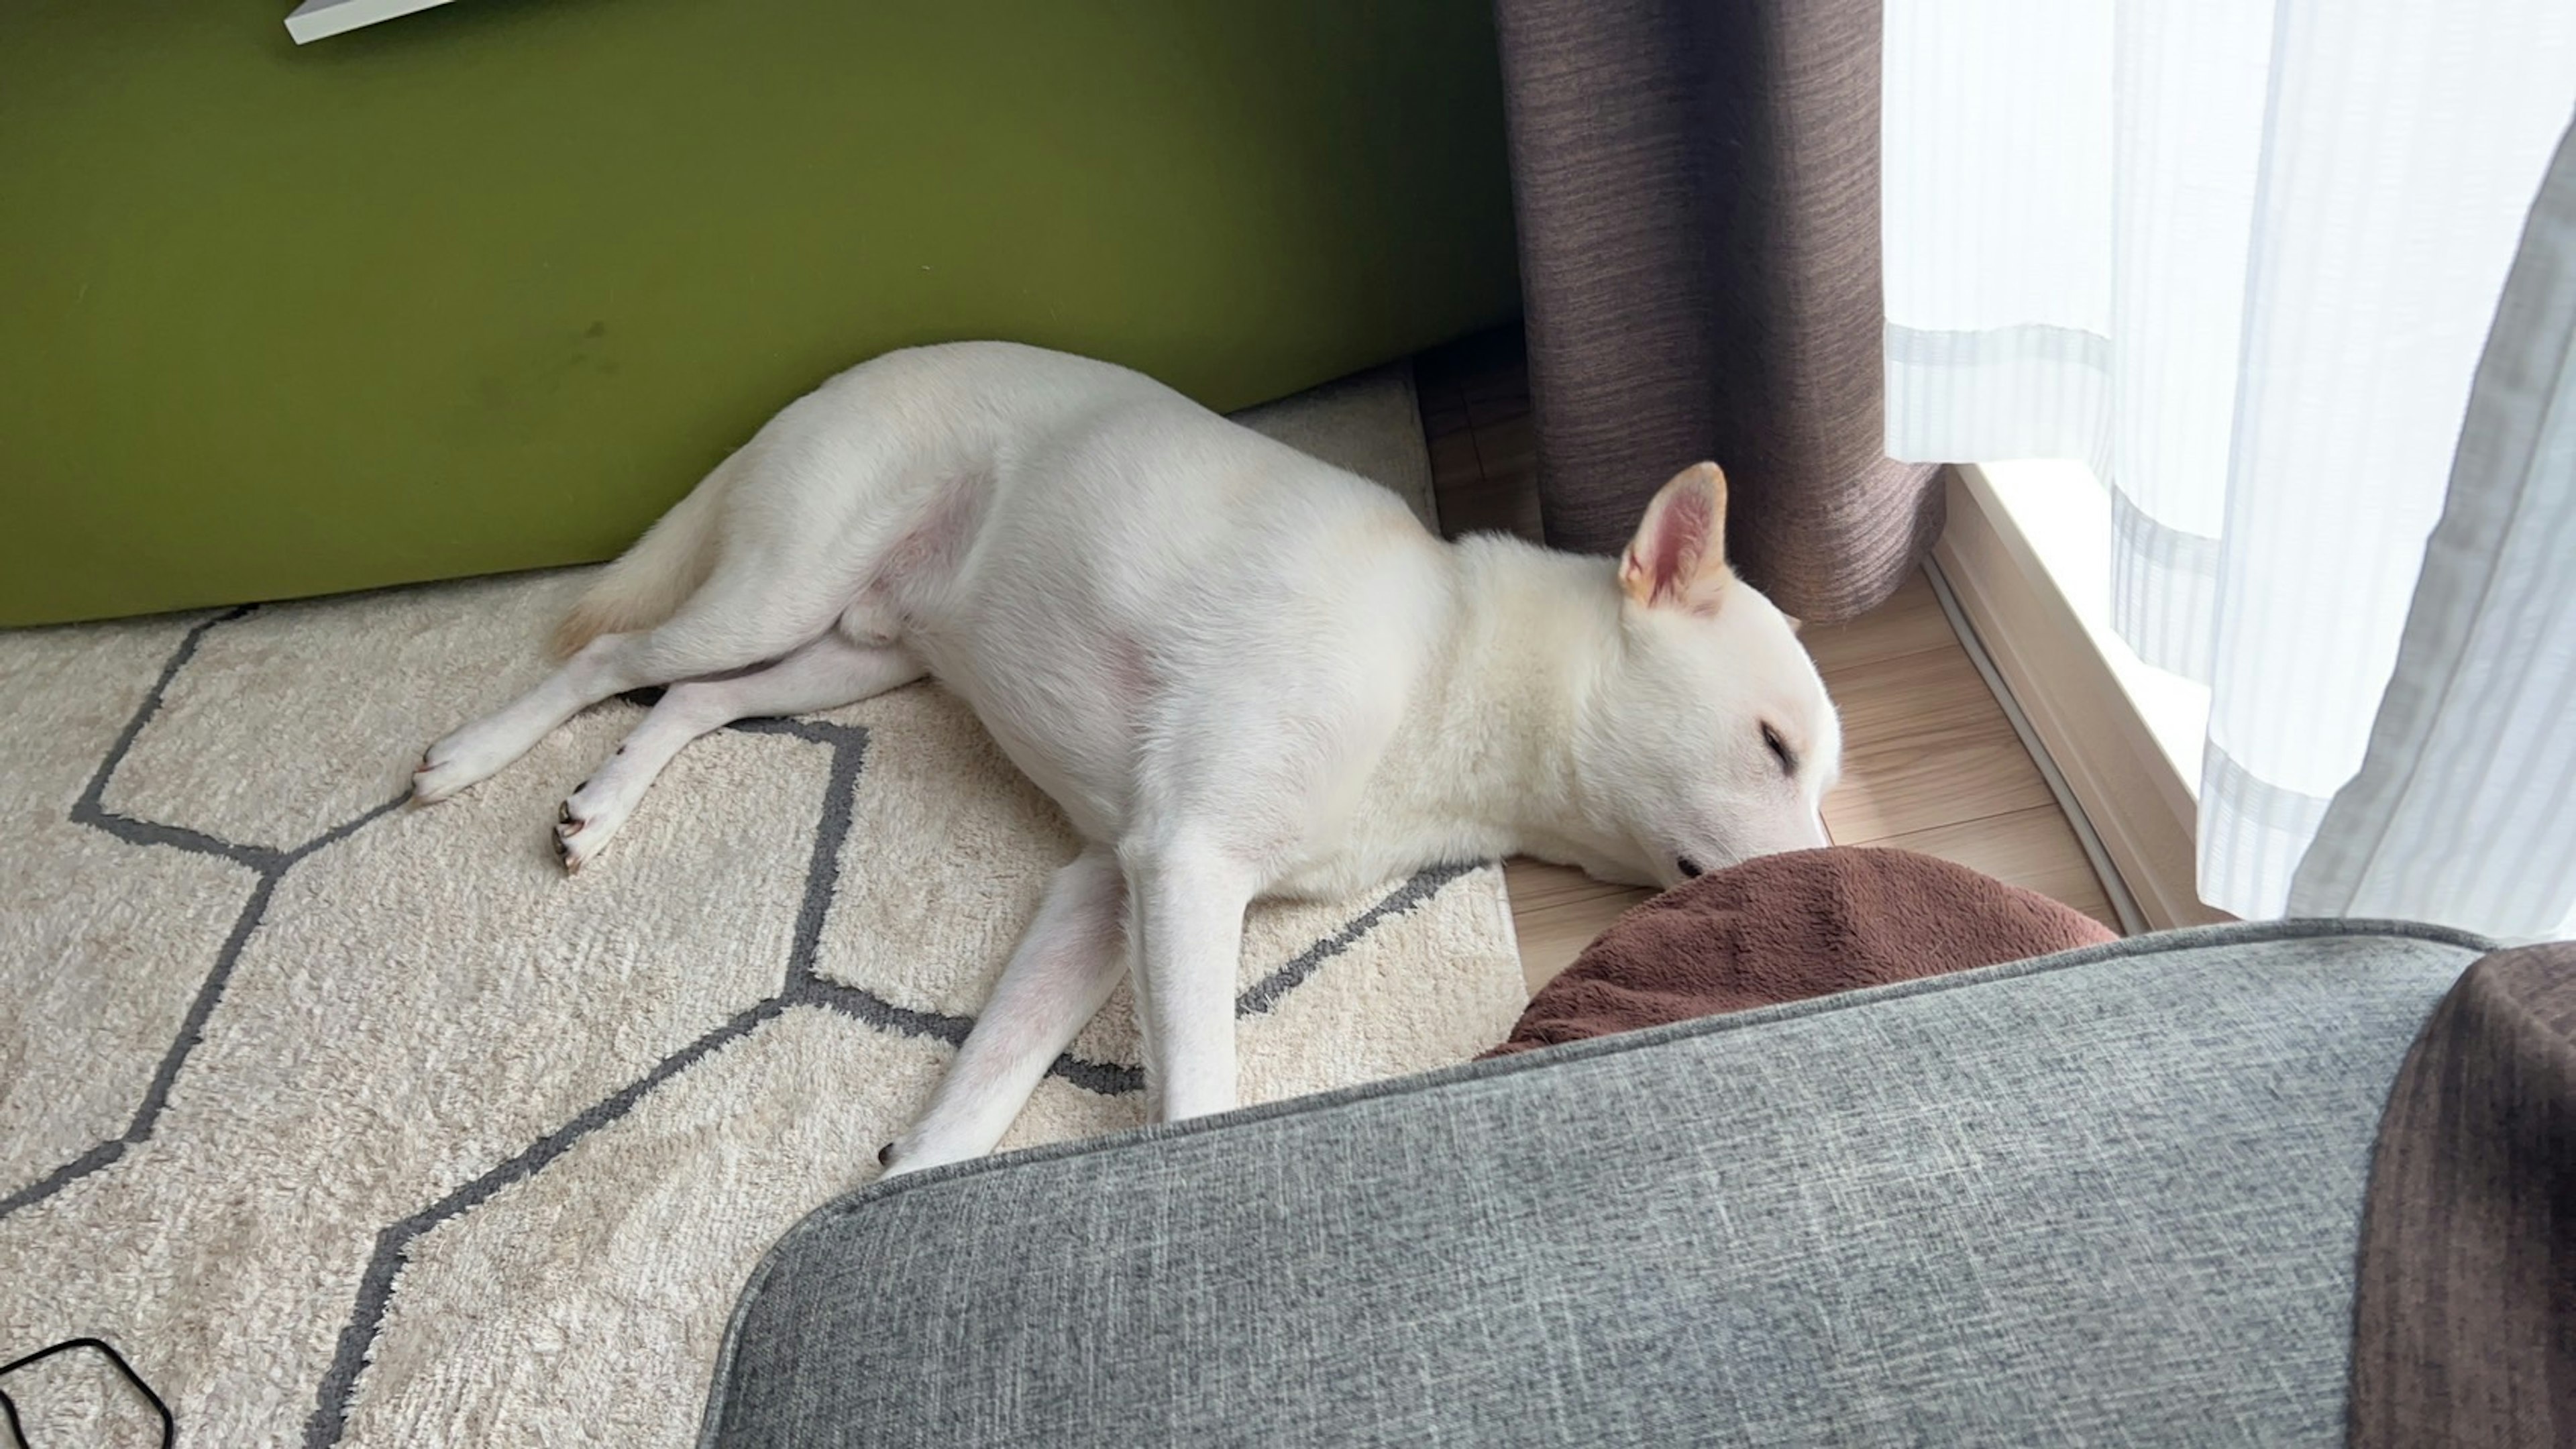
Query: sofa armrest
x=2107 y=1195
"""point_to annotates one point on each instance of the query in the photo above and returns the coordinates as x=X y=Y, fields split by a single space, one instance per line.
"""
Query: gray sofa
x=2107 y=1197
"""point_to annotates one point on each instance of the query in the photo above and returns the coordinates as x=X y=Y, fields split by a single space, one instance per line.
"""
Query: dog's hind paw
x=570 y=845
x=584 y=822
x=447 y=768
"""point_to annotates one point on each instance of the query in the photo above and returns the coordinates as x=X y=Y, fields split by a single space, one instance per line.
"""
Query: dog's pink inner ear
x=1678 y=557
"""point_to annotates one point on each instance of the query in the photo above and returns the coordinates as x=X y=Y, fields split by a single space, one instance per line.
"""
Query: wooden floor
x=1930 y=762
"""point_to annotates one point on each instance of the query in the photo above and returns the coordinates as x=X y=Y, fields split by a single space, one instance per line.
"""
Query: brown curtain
x=1697 y=189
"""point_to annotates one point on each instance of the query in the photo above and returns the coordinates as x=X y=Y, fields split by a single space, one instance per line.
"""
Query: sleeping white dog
x=1240 y=671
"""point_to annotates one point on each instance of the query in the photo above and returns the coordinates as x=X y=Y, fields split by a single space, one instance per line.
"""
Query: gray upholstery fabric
x=2107 y=1197
x=1696 y=188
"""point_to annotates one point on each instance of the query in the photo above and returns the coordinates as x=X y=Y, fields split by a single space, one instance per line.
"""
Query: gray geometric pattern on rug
x=353 y=1125
x=801 y=987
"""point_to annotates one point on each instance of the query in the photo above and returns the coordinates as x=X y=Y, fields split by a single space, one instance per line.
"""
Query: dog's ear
x=1678 y=558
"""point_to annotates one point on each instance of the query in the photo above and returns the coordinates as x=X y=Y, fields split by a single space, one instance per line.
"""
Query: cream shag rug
x=355 y=1124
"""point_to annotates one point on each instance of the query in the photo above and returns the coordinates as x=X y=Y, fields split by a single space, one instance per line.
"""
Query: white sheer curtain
x=2243 y=259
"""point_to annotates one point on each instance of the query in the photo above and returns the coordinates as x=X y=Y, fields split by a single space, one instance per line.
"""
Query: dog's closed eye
x=1780 y=750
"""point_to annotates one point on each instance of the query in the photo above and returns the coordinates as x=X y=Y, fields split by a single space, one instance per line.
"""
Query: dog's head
x=1711 y=739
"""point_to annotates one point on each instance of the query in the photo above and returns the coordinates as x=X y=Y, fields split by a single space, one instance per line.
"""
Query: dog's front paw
x=893 y=1160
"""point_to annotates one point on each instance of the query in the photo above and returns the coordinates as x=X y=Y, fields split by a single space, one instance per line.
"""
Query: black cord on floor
x=18 y=1431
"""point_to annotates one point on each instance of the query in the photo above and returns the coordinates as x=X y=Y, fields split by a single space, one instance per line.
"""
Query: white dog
x=1241 y=672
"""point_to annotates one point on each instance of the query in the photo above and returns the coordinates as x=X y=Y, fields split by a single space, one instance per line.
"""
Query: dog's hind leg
x=1065 y=966
x=475 y=753
x=828 y=672
x=768 y=596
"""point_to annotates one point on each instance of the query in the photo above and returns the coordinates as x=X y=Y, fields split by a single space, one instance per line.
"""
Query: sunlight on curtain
x=2241 y=259
x=2461 y=809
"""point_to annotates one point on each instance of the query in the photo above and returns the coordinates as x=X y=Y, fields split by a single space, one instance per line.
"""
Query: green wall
x=488 y=287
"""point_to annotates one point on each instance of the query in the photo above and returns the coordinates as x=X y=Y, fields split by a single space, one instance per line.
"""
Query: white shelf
x=320 y=19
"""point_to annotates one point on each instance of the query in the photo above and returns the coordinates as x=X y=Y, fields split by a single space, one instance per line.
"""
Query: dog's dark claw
x=885 y=1155
x=563 y=813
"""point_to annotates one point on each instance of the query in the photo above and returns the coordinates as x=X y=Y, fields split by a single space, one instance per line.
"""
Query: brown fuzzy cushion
x=1785 y=927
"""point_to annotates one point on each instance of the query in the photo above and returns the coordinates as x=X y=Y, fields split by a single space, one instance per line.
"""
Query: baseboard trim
x=2114 y=886
x=2124 y=793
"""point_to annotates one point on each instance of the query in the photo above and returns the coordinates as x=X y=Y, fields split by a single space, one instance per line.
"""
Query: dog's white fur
x=1241 y=672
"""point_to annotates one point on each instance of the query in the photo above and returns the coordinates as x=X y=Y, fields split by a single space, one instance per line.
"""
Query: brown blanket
x=1785 y=927
x=2464 y=1328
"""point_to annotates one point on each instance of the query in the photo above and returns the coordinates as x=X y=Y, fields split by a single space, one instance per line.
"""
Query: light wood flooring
x=1930 y=762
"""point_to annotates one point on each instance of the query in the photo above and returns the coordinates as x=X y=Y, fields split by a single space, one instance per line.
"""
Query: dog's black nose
x=1689 y=867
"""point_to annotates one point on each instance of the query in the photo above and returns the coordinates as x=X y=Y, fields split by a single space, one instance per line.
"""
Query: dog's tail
x=648 y=583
